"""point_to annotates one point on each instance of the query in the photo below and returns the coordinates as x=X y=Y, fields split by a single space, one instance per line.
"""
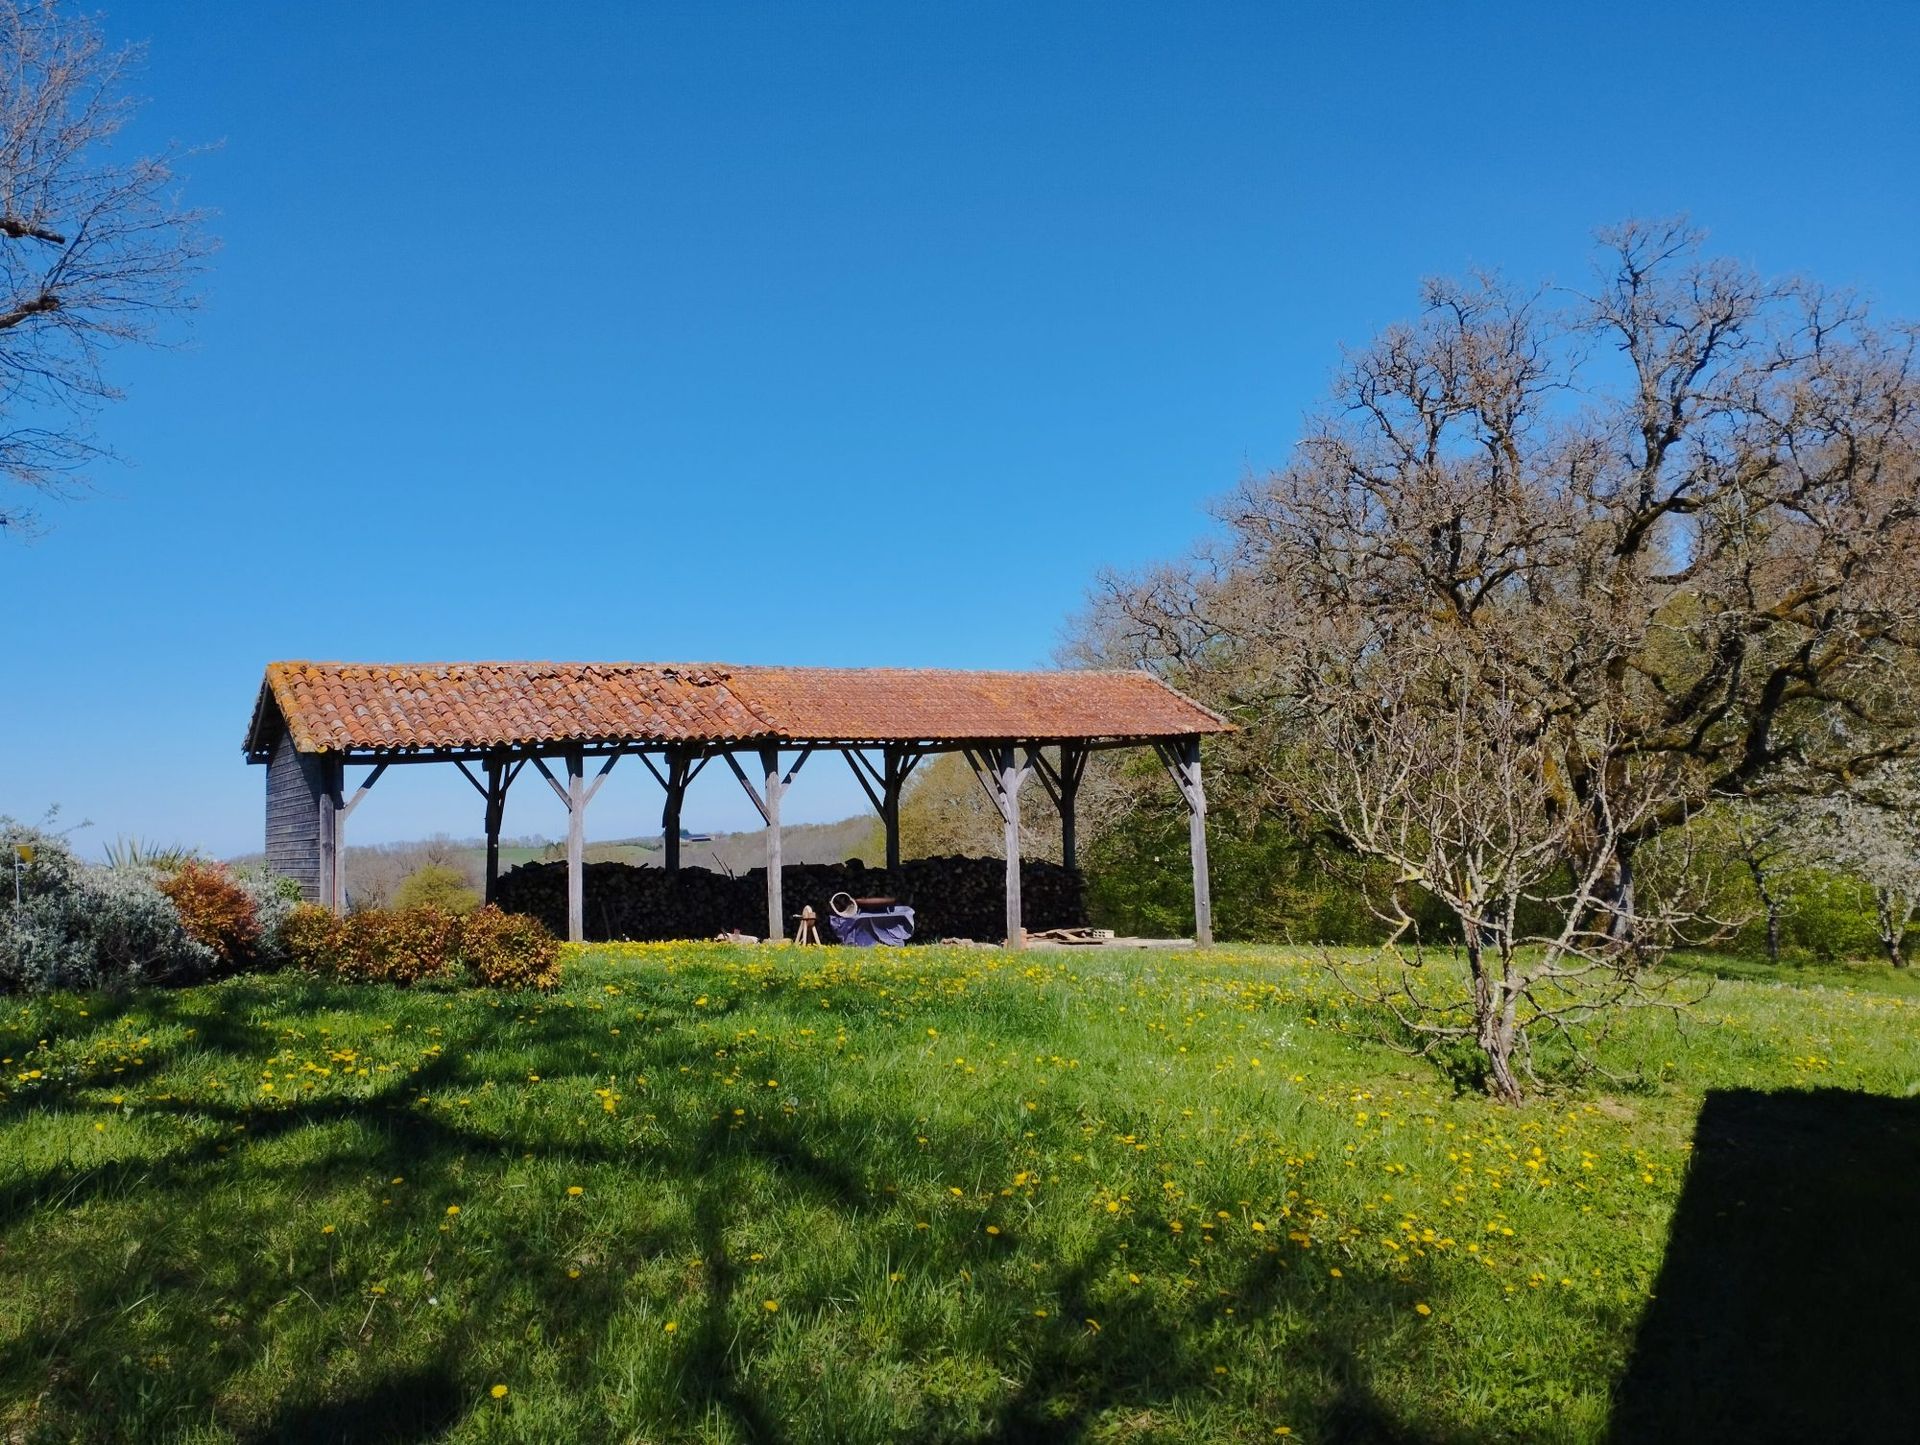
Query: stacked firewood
x=951 y=897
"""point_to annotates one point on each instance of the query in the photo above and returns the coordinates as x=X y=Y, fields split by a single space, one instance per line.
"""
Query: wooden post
x=1182 y=761
x=1008 y=775
x=333 y=873
x=1073 y=767
x=892 y=779
x=883 y=786
x=675 y=783
x=496 y=805
x=776 y=913
x=576 y=845
x=1197 y=841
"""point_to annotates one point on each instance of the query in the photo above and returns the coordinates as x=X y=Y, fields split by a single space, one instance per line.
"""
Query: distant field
x=729 y=1195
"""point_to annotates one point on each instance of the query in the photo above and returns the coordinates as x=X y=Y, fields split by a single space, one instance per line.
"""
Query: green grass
x=836 y=1196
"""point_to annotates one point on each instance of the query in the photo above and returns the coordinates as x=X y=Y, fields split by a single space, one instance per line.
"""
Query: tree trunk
x=1892 y=914
x=1617 y=893
x=1772 y=906
x=1492 y=1027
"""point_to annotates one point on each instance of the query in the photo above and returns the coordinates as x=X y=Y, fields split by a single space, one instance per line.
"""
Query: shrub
x=499 y=950
x=435 y=885
x=274 y=901
x=78 y=927
x=310 y=939
x=217 y=911
x=373 y=946
x=508 y=950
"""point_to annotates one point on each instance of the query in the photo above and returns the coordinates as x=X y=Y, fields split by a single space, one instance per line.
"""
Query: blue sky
x=821 y=334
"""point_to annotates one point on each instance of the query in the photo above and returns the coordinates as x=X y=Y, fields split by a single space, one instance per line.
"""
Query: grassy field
x=714 y=1194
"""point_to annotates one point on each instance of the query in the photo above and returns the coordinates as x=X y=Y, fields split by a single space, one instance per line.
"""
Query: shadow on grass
x=1786 y=1304
x=401 y=1409
x=1064 y=1384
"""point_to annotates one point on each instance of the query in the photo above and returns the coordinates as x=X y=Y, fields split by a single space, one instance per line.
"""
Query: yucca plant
x=132 y=853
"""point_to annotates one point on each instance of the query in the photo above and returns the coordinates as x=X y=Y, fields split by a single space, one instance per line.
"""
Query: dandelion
x=993 y=1229
x=670 y=1326
x=1422 y=1308
x=452 y=1209
x=574 y=1191
x=1336 y=1274
x=326 y=1229
x=770 y=1305
x=499 y=1392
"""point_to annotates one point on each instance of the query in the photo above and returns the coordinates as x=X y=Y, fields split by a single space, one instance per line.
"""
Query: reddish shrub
x=404 y=947
x=411 y=945
x=373 y=946
x=311 y=937
x=216 y=911
x=508 y=950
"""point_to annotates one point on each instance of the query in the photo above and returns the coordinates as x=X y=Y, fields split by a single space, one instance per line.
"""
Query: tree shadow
x=1784 y=1309
x=400 y=1409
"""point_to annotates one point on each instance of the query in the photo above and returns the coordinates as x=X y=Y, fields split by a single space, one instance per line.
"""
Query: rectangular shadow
x=1788 y=1300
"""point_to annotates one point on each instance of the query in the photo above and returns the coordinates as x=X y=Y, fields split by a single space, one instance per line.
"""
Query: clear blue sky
x=819 y=333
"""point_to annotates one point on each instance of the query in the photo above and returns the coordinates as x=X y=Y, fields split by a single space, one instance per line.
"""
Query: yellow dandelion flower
x=670 y=1326
x=770 y=1305
x=574 y=1191
x=326 y=1229
x=452 y=1209
x=993 y=1229
x=1422 y=1309
x=499 y=1392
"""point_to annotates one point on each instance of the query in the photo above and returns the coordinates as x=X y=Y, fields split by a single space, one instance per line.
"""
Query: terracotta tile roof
x=887 y=704
x=332 y=707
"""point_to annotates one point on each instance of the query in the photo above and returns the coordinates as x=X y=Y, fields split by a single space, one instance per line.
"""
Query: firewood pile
x=951 y=897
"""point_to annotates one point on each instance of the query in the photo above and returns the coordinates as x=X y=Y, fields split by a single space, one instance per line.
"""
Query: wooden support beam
x=1182 y=759
x=577 y=796
x=499 y=779
x=1073 y=768
x=366 y=786
x=897 y=767
x=333 y=873
x=683 y=764
x=776 y=913
x=1009 y=776
x=883 y=786
x=1002 y=773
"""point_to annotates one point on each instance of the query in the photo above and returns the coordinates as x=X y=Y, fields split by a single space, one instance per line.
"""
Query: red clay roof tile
x=334 y=707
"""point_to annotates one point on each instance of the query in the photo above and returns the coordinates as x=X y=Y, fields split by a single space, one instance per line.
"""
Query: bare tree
x=1769 y=837
x=1870 y=830
x=94 y=248
x=1672 y=518
x=1448 y=776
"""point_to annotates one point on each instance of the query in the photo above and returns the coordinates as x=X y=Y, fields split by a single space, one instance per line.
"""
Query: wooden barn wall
x=294 y=784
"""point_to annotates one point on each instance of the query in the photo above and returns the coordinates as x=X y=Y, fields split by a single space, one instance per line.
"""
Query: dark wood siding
x=294 y=783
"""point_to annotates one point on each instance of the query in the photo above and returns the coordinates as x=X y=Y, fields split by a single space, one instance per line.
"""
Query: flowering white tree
x=1871 y=830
